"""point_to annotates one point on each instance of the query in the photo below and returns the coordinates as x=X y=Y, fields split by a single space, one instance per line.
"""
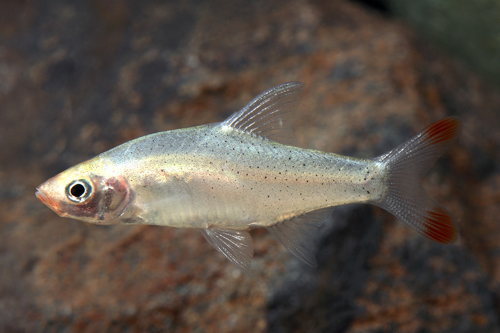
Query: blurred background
x=78 y=77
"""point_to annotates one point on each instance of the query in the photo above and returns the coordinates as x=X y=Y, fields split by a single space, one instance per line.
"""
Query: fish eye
x=79 y=190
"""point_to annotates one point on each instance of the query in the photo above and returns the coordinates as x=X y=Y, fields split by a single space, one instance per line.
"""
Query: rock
x=80 y=77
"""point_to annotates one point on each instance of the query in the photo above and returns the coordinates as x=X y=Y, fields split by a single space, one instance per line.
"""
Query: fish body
x=228 y=177
x=218 y=176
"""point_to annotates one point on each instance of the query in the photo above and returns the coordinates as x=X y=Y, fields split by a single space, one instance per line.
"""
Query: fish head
x=83 y=193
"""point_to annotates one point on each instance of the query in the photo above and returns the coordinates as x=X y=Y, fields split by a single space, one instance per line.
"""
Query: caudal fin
x=405 y=196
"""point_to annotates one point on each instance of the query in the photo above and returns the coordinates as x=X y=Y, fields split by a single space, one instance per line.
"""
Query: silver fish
x=228 y=177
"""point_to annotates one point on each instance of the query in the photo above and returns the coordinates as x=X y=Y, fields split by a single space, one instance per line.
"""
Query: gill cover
x=114 y=198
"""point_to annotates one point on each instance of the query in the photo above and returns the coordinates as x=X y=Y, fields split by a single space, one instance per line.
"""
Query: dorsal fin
x=266 y=115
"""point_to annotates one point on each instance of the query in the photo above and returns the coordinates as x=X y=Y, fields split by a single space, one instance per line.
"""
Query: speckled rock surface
x=79 y=77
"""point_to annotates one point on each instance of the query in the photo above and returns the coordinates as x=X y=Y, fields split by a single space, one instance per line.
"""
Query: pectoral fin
x=297 y=234
x=236 y=245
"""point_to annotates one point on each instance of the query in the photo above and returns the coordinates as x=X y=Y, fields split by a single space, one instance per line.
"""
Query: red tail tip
x=439 y=226
x=443 y=131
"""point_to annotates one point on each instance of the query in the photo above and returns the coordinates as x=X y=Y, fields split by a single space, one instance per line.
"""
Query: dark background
x=79 y=77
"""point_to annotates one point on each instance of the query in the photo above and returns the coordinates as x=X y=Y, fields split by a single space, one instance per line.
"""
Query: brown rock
x=81 y=77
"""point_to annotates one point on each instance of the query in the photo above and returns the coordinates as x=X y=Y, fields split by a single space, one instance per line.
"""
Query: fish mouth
x=47 y=201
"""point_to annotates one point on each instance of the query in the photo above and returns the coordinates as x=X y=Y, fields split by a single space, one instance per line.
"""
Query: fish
x=229 y=177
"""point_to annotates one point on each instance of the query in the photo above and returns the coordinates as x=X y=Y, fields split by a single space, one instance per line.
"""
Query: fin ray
x=297 y=234
x=266 y=114
x=406 y=165
x=236 y=245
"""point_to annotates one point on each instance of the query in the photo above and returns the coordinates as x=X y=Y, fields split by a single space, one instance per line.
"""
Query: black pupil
x=77 y=190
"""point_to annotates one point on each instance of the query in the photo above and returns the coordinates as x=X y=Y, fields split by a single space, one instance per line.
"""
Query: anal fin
x=297 y=234
x=236 y=245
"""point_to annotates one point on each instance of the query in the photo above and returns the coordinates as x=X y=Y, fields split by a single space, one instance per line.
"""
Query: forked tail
x=405 y=196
